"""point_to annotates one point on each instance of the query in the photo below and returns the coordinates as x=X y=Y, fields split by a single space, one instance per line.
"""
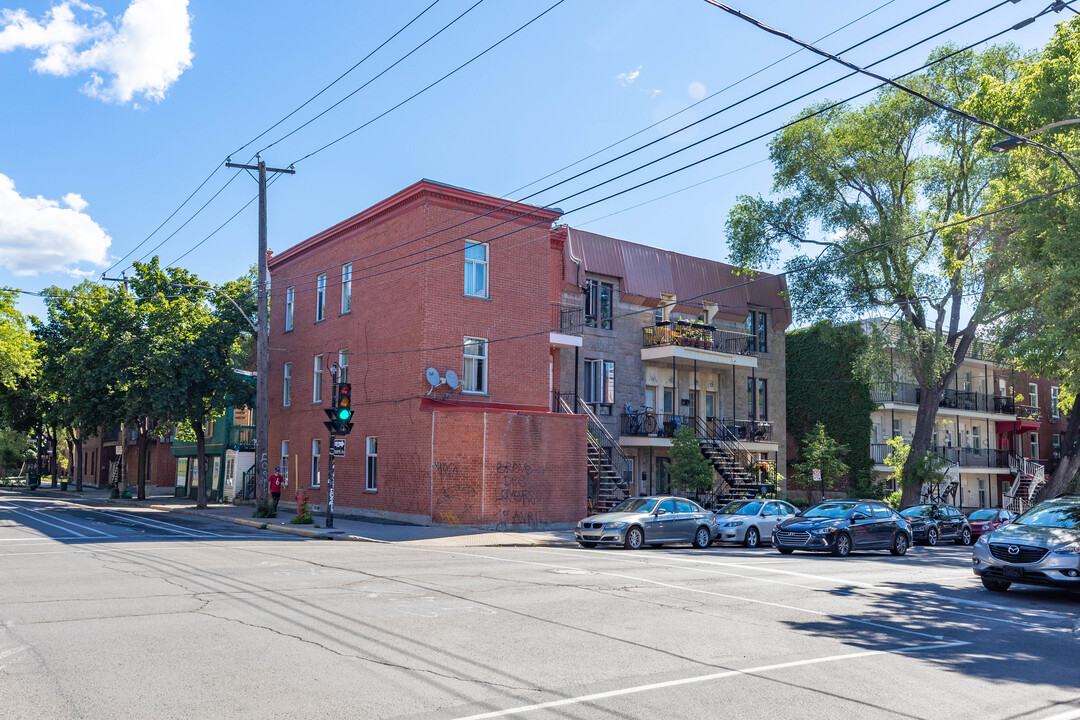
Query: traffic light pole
x=262 y=386
x=330 y=487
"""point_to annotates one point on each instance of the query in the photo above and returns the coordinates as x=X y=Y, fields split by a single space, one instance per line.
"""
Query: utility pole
x=262 y=386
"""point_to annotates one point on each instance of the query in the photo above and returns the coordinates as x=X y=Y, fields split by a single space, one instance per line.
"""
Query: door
x=687 y=520
x=946 y=522
x=663 y=478
x=863 y=528
x=659 y=526
x=771 y=516
x=180 y=488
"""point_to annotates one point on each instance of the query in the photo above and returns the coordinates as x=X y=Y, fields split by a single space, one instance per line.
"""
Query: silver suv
x=1041 y=547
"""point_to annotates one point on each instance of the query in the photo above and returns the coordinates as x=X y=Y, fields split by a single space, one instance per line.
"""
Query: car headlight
x=983 y=540
x=823 y=531
x=615 y=526
x=918 y=526
x=1070 y=549
x=737 y=523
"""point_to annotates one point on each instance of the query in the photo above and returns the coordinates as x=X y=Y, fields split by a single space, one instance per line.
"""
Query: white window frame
x=1033 y=395
x=290 y=304
x=371 y=466
x=1033 y=445
x=599 y=385
x=286 y=390
x=1055 y=392
x=346 y=288
x=316 y=469
x=316 y=380
x=343 y=366
x=469 y=378
x=471 y=266
x=320 y=298
x=285 y=460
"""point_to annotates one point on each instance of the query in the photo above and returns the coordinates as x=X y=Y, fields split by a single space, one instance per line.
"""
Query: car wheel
x=899 y=544
x=587 y=544
x=994 y=585
x=965 y=537
x=635 y=538
x=702 y=538
x=931 y=537
x=842 y=546
x=786 y=551
x=752 y=539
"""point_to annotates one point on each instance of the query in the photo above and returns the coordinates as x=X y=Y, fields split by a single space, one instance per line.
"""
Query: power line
x=665 y=175
x=433 y=84
x=668 y=155
x=338 y=79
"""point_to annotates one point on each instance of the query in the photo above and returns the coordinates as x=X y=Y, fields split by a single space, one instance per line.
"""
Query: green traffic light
x=344 y=414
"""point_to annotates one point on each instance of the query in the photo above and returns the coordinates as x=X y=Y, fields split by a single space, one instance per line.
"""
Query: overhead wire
x=760 y=136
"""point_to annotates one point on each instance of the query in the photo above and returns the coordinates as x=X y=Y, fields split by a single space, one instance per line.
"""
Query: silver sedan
x=748 y=521
x=649 y=521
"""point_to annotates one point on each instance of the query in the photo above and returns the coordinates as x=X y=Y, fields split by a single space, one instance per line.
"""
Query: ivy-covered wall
x=821 y=386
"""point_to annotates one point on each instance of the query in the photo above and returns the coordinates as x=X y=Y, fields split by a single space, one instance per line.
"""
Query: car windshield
x=741 y=507
x=926 y=511
x=1055 y=515
x=983 y=515
x=642 y=505
x=828 y=510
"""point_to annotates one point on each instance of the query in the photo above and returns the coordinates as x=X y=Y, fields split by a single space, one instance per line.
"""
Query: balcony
x=702 y=343
x=566 y=324
x=964 y=457
x=1028 y=412
x=910 y=394
x=653 y=424
x=242 y=437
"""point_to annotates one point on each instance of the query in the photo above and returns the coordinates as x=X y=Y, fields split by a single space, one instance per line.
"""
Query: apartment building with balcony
x=671 y=340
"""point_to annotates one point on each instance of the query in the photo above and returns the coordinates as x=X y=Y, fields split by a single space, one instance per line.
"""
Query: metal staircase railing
x=247 y=483
x=609 y=468
x=718 y=437
x=1029 y=479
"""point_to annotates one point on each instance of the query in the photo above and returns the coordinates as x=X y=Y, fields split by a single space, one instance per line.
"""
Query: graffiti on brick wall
x=454 y=494
x=517 y=493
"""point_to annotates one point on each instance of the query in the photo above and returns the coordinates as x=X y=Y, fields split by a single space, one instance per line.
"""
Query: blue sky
x=114 y=112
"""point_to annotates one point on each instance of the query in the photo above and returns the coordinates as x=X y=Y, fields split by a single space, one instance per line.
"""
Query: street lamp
x=227 y=297
x=1016 y=140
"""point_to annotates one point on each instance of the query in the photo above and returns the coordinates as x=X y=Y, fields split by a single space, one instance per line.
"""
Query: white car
x=748 y=521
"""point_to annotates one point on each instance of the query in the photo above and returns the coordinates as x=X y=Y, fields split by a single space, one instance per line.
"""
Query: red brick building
x=432 y=277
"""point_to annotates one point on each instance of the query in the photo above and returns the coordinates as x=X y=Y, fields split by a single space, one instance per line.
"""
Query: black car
x=933 y=523
x=840 y=526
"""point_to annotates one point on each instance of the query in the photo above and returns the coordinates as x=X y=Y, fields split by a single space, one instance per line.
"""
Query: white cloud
x=37 y=235
x=142 y=54
x=628 y=78
x=696 y=90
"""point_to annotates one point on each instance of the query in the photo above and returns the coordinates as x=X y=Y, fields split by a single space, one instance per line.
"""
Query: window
x=598 y=304
x=476 y=269
x=710 y=405
x=1033 y=395
x=475 y=370
x=1034 y=445
x=285 y=460
x=346 y=288
x=976 y=441
x=316 y=380
x=372 y=463
x=286 y=395
x=650 y=398
x=967 y=382
x=757 y=398
x=669 y=400
x=599 y=387
x=290 y=296
x=1055 y=445
x=230 y=471
x=320 y=298
x=1054 y=392
x=982 y=493
x=316 y=449
x=897 y=428
x=343 y=366
x=757 y=327
x=658 y=314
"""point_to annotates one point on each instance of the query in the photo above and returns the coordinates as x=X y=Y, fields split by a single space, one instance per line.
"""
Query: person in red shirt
x=276 y=483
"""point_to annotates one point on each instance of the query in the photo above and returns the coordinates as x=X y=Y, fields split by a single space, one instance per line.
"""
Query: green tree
x=1041 y=337
x=851 y=178
x=821 y=452
x=690 y=469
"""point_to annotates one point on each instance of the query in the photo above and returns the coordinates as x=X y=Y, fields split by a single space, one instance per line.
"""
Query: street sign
x=337 y=447
x=817 y=475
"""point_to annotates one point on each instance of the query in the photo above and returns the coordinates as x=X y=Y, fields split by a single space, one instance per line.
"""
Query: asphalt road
x=129 y=613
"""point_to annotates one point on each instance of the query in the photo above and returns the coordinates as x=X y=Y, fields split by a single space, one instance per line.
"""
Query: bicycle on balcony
x=639 y=422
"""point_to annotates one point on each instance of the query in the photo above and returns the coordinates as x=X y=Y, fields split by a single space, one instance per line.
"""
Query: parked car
x=989 y=520
x=932 y=523
x=1040 y=547
x=748 y=521
x=649 y=521
x=840 y=526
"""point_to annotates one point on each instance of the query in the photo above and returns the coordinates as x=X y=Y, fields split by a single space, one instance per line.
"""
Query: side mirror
x=858 y=516
x=658 y=513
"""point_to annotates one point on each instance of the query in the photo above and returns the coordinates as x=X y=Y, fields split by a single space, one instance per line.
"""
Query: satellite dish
x=451 y=379
x=433 y=376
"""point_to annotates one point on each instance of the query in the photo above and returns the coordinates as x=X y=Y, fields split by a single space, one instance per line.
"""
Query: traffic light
x=341 y=414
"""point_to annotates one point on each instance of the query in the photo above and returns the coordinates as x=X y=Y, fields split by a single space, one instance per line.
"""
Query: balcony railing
x=1028 y=412
x=964 y=457
x=567 y=319
x=242 y=436
x=910 y=394
x=981 y=350
x=648 y=423
x=704 y=337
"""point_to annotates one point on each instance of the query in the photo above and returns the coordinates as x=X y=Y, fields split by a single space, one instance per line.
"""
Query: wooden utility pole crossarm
x=262 y=387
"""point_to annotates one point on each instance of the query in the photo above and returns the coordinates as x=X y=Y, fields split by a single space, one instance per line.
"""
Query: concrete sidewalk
x=344 y=529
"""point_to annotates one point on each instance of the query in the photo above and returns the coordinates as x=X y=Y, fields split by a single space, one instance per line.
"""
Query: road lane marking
x=1067 y=715
x=706 y=678
x=32 y=516
x=59 y=518
x=157 y=524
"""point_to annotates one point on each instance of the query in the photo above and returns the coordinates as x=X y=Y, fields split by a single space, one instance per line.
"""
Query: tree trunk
x=1070 y=457
x=920 y=438
x=78 y=459
x=200 y=453
x=53 y=460
x=38 y=462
